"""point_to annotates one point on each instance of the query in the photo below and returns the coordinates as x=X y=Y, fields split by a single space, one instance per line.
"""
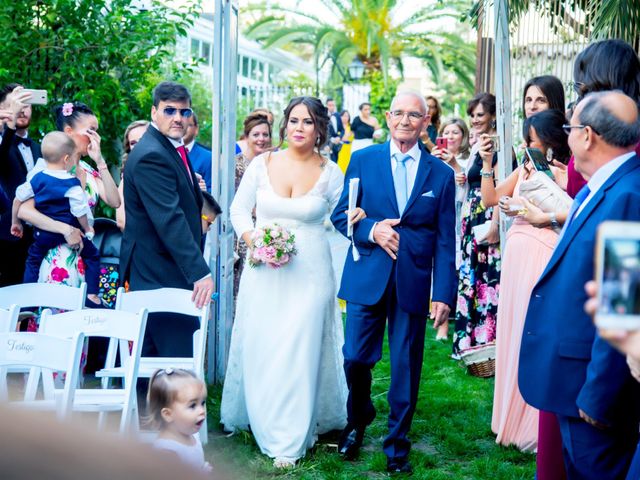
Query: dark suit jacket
x=426 y=228
x=161 y=241
x=564 y=364
x=200 y=157
x=13 y=172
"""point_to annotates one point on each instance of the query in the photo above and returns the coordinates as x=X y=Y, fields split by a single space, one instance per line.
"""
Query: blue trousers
x=594 y=454
x=45 y=241
x=364 y=335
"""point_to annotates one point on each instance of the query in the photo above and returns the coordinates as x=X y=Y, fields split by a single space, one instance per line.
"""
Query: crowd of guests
x=556 y=379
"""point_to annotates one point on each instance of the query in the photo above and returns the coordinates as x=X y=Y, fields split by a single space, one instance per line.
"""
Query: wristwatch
x=488 y=174
x=553 y=220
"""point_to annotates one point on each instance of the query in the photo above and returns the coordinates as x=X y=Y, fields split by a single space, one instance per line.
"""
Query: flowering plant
x=273 y=245
x=67 y=109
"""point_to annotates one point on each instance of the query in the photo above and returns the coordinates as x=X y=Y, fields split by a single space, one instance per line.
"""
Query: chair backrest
x=171 y=300
x=43 y=295
x=9 y=318
x=55 y=354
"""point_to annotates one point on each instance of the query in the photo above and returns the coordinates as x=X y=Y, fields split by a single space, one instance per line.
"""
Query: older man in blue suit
x=565 y=367
x=408 y=236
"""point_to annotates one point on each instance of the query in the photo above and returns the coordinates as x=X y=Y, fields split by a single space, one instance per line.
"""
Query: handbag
x=480 y=232
x=544 y=193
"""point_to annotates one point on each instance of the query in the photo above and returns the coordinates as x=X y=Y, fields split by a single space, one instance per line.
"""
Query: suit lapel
x=588 y=209
x=424 y=167
x=386 y=176
x=175 y=156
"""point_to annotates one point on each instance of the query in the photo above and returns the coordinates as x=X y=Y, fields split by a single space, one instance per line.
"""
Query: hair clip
x=67 y=109
x=168 y=371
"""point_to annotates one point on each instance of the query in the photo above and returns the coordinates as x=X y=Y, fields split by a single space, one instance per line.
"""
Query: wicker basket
x=481 y=360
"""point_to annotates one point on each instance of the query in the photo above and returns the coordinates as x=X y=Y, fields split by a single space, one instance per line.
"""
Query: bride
x=284 y=375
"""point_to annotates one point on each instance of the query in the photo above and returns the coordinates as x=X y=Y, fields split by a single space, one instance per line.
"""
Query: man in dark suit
x=161 y=241
x=18 y=154
x=336 y=129
x=565 y=367
x=409 y=232
x=199 y=155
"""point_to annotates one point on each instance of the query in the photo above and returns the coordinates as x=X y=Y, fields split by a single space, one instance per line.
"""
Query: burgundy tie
x=183 y=154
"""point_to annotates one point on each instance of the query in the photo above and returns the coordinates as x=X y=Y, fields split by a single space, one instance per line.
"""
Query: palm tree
x=603 y=19
x=373 y=31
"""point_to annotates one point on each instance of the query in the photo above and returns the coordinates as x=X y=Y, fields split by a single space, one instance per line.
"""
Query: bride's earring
x=493 y=123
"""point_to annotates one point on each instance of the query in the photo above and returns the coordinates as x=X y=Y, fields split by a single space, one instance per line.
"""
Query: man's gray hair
x=613 y=130
x=411 y=93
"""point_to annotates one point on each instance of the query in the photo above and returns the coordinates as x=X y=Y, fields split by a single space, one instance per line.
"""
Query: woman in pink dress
x=526 y=254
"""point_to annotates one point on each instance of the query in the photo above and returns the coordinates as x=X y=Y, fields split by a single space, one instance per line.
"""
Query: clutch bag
x=544 y=193
x=480 y=232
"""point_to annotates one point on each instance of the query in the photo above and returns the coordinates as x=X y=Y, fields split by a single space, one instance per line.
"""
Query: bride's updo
x=319 y=115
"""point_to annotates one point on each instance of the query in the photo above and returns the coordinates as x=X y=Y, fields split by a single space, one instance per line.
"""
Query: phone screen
x=539 y=161
x=619 y=282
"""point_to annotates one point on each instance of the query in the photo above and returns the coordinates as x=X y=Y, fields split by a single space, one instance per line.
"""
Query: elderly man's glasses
x=567 y=128
x=413 y=116
x=171 y=111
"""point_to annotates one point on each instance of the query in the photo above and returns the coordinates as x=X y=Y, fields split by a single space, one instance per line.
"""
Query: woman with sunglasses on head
x=604 y=65
x=62 y=264
x=284 y=374
x=526 y=252
x=477 y=302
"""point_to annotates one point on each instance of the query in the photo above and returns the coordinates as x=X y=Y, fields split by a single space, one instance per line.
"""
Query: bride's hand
x=356 y=215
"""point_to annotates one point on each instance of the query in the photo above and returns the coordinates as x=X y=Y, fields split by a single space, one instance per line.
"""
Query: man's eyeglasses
x=171 y=111
x=413 y=116
x=567 y=128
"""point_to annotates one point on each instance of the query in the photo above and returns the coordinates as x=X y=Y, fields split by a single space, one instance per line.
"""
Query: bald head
x=56 y=146
x=613 y=116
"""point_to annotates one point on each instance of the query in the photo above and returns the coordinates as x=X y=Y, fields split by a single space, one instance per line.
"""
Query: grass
x=451 y=433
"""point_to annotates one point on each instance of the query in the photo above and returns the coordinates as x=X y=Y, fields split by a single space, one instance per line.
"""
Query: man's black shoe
x=399 y=465
x=350 y=442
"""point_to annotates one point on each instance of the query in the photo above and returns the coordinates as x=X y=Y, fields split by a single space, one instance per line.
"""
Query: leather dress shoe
x=350 y=442
x=399 y=465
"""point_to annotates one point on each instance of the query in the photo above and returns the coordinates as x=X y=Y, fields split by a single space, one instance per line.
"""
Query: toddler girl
x=177 y=407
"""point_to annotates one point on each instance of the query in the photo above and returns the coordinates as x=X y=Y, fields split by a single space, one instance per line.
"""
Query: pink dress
x=526 y=253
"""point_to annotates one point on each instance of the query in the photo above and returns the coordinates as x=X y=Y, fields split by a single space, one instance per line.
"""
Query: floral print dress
x=478 y=286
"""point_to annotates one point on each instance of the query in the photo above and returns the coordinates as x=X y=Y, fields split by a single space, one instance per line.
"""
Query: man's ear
x=154 y=112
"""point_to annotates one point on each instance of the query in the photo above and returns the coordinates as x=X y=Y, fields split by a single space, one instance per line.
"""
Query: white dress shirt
x=601 y=176
x=27 y=155
x=412 y=169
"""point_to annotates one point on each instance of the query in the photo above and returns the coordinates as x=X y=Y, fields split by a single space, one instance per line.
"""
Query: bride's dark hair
x=318 y=112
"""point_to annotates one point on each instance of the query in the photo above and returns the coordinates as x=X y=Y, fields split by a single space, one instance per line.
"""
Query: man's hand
x=439 y=313
x=201 y=183
x=202 y=291
x=15 y=102
x=592 y=421
x=385 y=236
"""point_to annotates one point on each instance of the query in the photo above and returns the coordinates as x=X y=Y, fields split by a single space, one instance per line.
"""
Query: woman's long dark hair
x=551 y=87
x=318 y=112
x=548 y=126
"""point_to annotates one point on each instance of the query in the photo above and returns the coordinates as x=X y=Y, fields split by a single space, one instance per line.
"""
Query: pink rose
x=67 y=109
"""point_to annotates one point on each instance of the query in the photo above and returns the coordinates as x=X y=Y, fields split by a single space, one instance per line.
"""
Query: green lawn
x=451 y=433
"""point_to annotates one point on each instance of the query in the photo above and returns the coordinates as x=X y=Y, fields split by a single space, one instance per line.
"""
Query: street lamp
x=356 y=69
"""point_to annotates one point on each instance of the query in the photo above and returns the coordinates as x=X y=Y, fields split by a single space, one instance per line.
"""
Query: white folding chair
x=121 y=328
x=8 y=323
x=171 y=300
x=36 y=352
x=48 y=295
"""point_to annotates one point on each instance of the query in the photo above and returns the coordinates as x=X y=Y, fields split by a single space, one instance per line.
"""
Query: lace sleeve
x=335 y=185
x=245 y=199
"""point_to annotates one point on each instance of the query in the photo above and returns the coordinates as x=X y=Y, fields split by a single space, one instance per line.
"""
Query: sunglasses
x=171 y=111
x=567 y=128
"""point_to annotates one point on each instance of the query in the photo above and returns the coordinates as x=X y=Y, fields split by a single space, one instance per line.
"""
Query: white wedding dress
x=285 y=375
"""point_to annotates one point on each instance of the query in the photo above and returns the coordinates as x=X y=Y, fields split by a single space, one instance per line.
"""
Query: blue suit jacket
x=564 y=364
x=427 y=233
x=200 y=158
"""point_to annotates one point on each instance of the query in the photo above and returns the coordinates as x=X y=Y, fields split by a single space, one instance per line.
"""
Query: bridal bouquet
x=273 y=245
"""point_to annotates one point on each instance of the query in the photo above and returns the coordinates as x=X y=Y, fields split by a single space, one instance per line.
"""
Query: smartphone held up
x=618 y=275
x=38 y=97
x=442 y=143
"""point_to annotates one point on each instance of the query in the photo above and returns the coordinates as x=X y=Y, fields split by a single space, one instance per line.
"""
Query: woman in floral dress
x=478 y=289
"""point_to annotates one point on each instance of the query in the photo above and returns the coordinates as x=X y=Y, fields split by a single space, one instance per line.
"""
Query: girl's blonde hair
x=163 y=390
